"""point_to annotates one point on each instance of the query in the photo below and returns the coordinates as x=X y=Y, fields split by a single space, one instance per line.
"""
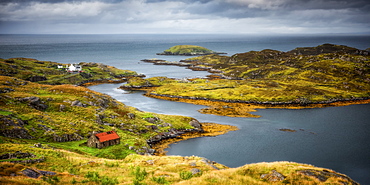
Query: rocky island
x=188 y=50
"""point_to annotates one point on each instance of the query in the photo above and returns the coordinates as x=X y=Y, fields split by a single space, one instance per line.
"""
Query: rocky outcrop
x=14 y=128
x=36 y=173
x=273 y=176
x=175 y=133
x=35 y=102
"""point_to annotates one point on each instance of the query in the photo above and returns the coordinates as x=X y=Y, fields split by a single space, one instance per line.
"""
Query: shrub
x=160 y=180
x=185 y=175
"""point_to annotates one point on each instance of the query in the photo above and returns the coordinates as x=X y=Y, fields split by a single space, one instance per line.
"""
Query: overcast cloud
x=184 y=16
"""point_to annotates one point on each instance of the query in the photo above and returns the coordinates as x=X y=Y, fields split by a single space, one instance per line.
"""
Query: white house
x=74 y=68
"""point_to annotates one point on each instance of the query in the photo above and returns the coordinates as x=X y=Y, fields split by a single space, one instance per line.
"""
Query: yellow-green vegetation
x=187 y=50
x=46 y=72
x=73 y=168
x=321 y=74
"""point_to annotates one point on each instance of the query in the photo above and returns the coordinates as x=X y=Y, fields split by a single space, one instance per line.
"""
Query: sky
x=184 y=16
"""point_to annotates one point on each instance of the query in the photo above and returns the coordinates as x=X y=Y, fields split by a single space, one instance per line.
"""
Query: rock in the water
x=195 y=123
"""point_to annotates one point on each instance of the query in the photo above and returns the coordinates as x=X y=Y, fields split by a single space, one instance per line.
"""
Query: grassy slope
x=304 y=75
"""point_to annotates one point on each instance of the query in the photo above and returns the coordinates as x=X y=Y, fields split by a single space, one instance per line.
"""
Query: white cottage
x=74 y=68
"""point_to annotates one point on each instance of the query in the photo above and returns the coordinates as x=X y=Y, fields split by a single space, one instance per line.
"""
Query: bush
x=185 y=175
x=160 y=180
x=139 y=174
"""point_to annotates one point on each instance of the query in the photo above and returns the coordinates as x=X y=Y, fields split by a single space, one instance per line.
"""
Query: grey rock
x=62 y=108
x=131 y=115
x=195 y=123
x=273 y=176
x=195 y=171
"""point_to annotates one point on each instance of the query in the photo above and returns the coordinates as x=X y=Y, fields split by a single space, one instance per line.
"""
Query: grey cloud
x=177 y=14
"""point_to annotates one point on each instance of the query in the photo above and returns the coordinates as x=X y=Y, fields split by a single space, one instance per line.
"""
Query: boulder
x=195 y=171
x=131 y=115
x=195 y=123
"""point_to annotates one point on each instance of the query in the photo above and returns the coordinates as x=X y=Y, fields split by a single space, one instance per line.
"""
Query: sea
x=337 y=138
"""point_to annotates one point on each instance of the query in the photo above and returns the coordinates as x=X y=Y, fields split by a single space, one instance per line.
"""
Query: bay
x=336 y=137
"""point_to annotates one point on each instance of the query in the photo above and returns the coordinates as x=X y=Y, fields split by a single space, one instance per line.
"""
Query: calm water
x=336 y=138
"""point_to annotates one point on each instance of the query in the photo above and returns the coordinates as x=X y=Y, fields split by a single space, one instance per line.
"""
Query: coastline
x=209 y=130
x=236 y=109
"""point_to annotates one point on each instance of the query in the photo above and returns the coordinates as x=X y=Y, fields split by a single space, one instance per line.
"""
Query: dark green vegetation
x=45 y=72
x=188 y=50
x=322 y=74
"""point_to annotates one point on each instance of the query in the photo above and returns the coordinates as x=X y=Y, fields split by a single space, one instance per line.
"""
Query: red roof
x=107 y=136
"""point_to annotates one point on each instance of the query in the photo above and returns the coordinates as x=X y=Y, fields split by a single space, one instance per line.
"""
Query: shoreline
x=209 y=130
x=244 y=109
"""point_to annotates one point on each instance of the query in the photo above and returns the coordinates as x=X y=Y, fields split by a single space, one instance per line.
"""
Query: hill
x=188 y=50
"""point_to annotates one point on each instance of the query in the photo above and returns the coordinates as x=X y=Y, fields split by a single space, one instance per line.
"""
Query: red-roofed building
x=104 y=139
